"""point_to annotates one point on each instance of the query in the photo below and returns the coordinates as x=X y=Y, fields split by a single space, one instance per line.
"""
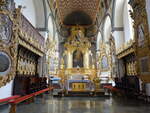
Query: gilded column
x=69 y=62
x=86 y=59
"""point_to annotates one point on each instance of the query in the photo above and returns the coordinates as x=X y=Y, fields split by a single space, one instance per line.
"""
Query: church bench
x=6 y=100
x=31 y=96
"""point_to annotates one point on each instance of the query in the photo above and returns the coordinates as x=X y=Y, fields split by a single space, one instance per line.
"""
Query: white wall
x=148 y=11
x=28 y=10
x=128 y=25
x=119 y=38
x=119 y=13
x=39 y=13
x=118 y=23
x=6 y=91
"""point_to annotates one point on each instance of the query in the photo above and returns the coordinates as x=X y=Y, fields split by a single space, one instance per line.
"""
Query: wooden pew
x=24 y=98
x=6 y=100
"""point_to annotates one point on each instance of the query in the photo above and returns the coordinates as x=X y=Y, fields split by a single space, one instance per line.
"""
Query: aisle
x=81 y=105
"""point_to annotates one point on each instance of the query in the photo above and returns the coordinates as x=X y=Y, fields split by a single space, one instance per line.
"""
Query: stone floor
x=81 y=105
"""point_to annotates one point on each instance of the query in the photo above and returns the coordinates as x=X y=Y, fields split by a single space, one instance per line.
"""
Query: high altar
x=79 y=74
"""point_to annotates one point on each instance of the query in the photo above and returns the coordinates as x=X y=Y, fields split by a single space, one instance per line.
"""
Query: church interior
x=74 y=56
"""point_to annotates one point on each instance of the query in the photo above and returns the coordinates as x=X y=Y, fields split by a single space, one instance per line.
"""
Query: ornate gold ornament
x=142 y=38
x=52 y=57
x=8 y=46
x=16 y=30
x=77 y=42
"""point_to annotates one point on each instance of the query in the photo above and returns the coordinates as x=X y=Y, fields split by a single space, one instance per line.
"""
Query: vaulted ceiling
x=77 y=12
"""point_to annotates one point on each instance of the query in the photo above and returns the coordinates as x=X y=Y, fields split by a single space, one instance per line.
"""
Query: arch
x=51 y=27
x=99 y=40
x=52 y=32
x=107 y=28
x=117 y=14
x=117 y=22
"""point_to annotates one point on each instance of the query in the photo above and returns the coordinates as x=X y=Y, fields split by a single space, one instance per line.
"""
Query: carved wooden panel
x=30 y=34
x=27 y=62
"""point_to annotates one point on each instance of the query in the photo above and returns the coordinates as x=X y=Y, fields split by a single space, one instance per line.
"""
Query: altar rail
x=29 y=98
x=30 y=34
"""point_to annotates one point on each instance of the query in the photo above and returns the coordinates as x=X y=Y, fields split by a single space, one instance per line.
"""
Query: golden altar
x=78 y=54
